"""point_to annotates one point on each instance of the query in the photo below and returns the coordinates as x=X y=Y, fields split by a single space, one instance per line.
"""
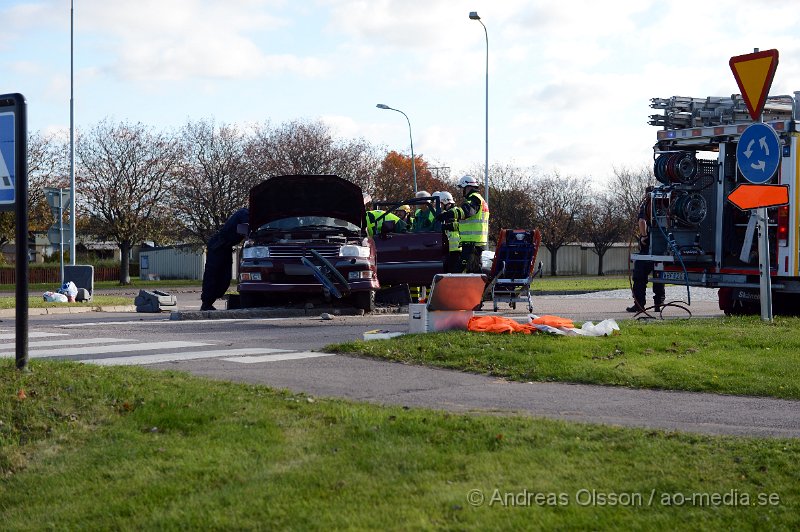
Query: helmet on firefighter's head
x=423 y=194
x=367 y=198
x=468 y=181
x=446 y=198
x=404 y=208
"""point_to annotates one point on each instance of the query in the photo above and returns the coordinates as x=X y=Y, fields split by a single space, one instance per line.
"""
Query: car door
x=412 y=258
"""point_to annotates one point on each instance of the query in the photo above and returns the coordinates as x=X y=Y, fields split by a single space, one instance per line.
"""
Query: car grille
x=284 y=251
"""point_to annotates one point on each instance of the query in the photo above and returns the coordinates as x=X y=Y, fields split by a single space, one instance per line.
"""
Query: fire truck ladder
x=681 y=112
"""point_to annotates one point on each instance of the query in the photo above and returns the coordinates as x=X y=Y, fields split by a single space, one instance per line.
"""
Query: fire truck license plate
x=673 y=276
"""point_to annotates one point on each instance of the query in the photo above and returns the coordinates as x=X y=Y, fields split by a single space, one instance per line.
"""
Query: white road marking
x=98 y=350
x=52 y=343
x=98 y=323
x=12 y=336
x=172 y=357
x=183 y=322
x=276 y=358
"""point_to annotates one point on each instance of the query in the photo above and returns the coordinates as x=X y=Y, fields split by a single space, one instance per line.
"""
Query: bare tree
x=628 y=186
x=214 y=180
x=603 y=224
x=303 y=147
x=126 y=174
x=511 y=198
x=48 y=166
x=559 y=203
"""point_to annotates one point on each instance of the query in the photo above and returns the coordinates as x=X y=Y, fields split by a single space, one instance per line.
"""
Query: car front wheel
x=364 y=300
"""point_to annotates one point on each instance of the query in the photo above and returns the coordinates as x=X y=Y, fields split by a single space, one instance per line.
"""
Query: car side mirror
x=242 y=229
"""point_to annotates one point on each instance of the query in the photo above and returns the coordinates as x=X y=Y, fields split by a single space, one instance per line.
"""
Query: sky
x=570 y=82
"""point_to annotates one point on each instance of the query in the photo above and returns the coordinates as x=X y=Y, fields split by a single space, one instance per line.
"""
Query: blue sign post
x=758 y=154
x=14 y=197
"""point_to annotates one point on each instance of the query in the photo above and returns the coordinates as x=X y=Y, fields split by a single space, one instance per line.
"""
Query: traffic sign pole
x=14 y=155
x=765 y=284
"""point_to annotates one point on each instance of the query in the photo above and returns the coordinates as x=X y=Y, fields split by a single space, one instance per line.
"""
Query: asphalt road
x=286 y=353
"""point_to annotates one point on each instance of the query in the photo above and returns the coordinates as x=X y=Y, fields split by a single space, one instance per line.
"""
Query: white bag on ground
x=70 y=290
x=54 y=297
x=604 y=328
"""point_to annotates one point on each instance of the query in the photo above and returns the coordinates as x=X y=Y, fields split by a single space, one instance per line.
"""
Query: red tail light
x=783 y=225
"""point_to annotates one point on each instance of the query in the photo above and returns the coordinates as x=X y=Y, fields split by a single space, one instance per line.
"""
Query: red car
x=307 y=237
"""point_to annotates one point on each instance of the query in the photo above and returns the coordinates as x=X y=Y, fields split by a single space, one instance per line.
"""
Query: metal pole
x=411 y=140
x=486 y=178
x=765 y=284
x=71 y=150
x=61 y=231
x=473 y=15
x=23 y=258
x=765 y=281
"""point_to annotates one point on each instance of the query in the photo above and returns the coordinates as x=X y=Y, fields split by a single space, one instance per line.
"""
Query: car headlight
x=354 y=251
x=255 y=252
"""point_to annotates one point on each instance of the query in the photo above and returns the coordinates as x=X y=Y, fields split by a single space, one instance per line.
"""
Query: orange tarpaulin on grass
x=553 y=321
x=497 y=324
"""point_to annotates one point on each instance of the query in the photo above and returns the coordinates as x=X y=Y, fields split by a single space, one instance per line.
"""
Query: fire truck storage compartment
x=684 y=210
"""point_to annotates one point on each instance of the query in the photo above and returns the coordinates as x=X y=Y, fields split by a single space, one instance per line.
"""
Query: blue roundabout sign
x=758 y=154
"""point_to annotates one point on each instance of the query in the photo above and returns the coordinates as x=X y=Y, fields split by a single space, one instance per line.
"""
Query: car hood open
x=306 y=195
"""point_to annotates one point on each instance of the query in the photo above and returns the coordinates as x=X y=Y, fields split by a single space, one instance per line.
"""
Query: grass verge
x=124 y=448
x=592 y=283
x=740 y=356
x=112 y=285
x=97 y=301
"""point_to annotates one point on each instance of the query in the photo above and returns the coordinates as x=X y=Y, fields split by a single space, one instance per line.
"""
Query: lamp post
x=71 y=147
x=473 y=15
x=411 y=140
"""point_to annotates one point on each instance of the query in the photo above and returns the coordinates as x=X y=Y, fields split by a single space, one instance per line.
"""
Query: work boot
x=634 y=308
x=207 y=306
x=658 y=303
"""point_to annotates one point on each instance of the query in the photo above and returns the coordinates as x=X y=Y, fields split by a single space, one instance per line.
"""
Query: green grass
x=125 y=448
x=741 y=356
x=592 y=283
x=110 y=285
x=99 y=300
x=38 y=302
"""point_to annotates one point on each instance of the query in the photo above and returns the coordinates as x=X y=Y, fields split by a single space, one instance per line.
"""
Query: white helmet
x=423 y=194
x=445 y=198
x=468 y=181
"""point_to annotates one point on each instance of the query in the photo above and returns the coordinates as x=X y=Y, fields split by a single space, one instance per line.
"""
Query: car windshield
x=299 y=223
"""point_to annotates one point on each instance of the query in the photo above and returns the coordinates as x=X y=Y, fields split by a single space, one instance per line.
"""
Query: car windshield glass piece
x=299 y=223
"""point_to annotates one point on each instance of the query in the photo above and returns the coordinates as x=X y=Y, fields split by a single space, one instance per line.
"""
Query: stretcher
x=513 y=267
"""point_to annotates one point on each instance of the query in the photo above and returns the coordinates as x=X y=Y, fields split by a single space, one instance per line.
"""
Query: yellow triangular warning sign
x=754 y=73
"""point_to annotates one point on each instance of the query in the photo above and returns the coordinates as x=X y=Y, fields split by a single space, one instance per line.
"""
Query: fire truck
x=698 y=237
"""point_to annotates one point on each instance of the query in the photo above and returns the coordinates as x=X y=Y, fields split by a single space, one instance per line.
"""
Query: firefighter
x=218 y=271
x=643 y=268
x=472 y=217
x=454 y=264
x=403 y=212
x=424 y=218
x=375 y=219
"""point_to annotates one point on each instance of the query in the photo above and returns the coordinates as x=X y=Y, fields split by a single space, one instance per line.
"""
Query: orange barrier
x=497 y=324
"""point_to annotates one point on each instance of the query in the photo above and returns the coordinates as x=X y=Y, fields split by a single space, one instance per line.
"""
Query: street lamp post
x=473 y=15
x=71 y=146
x=410 y=138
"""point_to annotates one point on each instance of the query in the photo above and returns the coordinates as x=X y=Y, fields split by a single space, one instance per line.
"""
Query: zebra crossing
x=110 y=351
